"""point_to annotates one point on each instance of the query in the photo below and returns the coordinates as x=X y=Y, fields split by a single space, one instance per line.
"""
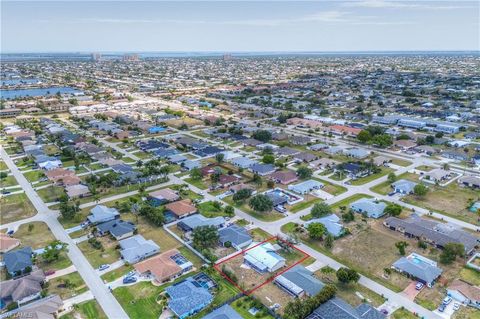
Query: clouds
x=428 y=5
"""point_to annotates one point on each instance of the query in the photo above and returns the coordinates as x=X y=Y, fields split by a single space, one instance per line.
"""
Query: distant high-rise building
x=96 y=57
x=227 y=57
x=131 y=57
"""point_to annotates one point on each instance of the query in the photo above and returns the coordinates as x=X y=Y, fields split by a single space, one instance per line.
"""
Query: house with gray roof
x=44 y=308
x=190 y=164
x=263 y=169
x=299 y=281
x=101 y=214
x=188 y=297
x=118 y=228
x=419 y=268
x=224 y=312
x=337 y=308
x=136 y=248
x=243 y=162
x=331 y=223
x=18 y=261
x=357 y=153
x=23 y=289
x=191 y=222
x=369 y=207
x=237 y=236
x=403 y=186
x=306 y=186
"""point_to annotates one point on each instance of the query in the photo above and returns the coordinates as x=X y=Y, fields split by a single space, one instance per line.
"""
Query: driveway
x=411 y=292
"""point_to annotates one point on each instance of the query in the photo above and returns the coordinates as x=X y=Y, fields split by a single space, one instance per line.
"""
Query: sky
x=233 y=26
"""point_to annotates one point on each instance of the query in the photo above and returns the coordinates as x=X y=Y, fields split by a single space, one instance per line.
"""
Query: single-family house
x=162 y=196
x=191 y=222
x=224 y=312
x=418 y=267
x=263 y=257
x=165 y=266
x=23 y=289
x=191 y=164
x=117 y=228
x=338 y=308
x=331 y=223
x=243 y=162
x=18 y=261
x=46 y=308
x=262 y=169
x=77 y=191
x=8 y=243
x=369 y=206
x=181 y=208
x=284 y=177
x=188 y=297
x=306 y=186
x=101 y=214
x=470 y=181
x=299 y=281
x=437 y=175
x=305 y=157
x=358 y=153
x=237 y=236
x=464 y=292
x=137 y=248
x=381 y=160
x=403 y=186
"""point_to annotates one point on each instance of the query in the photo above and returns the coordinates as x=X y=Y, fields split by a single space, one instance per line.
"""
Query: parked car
x=103 y=267
x=446 y=300
x=49 y=272
x=280 y=209
x=456 y=306
x=442 y=308
x=129 y=280
x=419 y=286
x=10 y=232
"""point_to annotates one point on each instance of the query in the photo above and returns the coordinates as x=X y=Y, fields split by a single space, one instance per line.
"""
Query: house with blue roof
x=236 y=235
x=190 y=164
x=331 y=223
x=357 y=153
x=337 y=308
x=370 y=207
x=306 y=186
x=403 y=186
x=224 y=312
x=101 y=214
x=243 y=162
x=419 y=268
x=191 y=222
x=263 y=169
x=156 y=129
x=18 y=261
x=188 y=297
x=118 y=228
x=263 y=258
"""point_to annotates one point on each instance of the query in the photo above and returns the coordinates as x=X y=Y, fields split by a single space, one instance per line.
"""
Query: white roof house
x=101 y=213
x=263 y=258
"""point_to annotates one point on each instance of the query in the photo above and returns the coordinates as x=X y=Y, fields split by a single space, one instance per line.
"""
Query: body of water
x=20 y=82
x=13 y=94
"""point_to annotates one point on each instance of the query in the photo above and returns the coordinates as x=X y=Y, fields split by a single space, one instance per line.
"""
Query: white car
x=103 y=267
x=447 y=300
x=419 y=286
x=456 y=306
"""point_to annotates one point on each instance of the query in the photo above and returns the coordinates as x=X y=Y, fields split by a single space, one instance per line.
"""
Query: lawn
x=67 y=286
x=424 y=168
x=470 y=275
x=36 y=236
x=383 y=171
x=401 y=162
x=51 y=193
x=385 y=188
x=451 y=200
x=116 y=273
x=3 y=166
x=330 y=188
x=403 y=314
x=196 y=182
x=208 y=209
x=15 y=207
x=259 y=234
x=466 y=313
x=8 y=181
x=140 y=300
x=304 y=204
x=107 y=255
x=267 y=217
x=62 y=263
x=33 y=176
x=86 y=310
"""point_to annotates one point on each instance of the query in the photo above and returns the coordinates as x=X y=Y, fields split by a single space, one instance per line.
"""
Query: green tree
x=205 y=237
x=268 y=159
x=364 y=136
x=316 y=230
x=229 y=211
x=382 y=140
x=304 y=172
x=401 y=245
x=195 y=174
x=262 y=135
x=450 y=252
x=321 y=209
x=329 y=239
x=392 y=177
x=348 y=216
x=261 y=203
x=52 y=251
x=242 y=194
x=420 y=190
x=346 y=275
x=219 y=157
x=154 y=214
x=393 y=209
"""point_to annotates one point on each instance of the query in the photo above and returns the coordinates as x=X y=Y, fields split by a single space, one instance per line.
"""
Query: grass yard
x=244 y=304
x=8 y=181
x=267 y=217
x=304 y=204
x=383 y=171
x=107 y=255
x=33 y=176
x=470 y=275
x=86 y=310
x=403 y=314
x=38 y=235
x=331 y=188
x=385 y=188
x=208 y=209
x=259 y=234
x=15 y=207
x=424 y=168
x=347 y=201
x=140 y=300
x=116 y=273
x=3 y=166
x=401 y=162
x=451 y=200
x=62 y=263
x=466 y=313
x=51 y=194
x=67 y=286
x=197 y=183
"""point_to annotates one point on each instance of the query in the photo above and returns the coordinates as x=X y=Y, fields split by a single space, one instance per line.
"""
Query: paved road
x=109 y=304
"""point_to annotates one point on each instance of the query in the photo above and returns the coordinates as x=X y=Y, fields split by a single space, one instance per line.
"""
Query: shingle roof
x=302 y=278
x=418 y=269
x=224 y=312
x=18 y=260
x=116 y=227
x=195 y=221
x=187 y=296
x=235 y=234
x=369 y=206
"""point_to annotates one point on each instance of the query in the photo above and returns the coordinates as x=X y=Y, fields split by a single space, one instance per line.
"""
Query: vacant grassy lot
x=451 y=200
x=8 y=181
x=34 y=176
x=209 y=210
x=197 y=183
x=304 y=204
x=403 y=314
x=140 y=300
x=383 y=171
x=470 y=275
x=86 y=310
x=267 y=217
x=107 y=255
x=51 y=193
x=424 y=168
x=466 y=313
x=67 y=286
x=15 y=207
x=35 y=234
x=401 y=162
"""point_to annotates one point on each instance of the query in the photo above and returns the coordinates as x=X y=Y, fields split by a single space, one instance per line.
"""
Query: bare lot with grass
x=15 y=207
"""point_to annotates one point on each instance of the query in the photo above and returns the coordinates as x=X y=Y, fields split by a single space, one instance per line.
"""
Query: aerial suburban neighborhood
x=240 y=185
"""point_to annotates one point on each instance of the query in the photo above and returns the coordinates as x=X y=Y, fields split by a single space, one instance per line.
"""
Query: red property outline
x=270 y=279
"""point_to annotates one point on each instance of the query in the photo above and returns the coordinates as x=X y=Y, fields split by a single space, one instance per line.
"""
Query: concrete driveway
x=411 y=292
